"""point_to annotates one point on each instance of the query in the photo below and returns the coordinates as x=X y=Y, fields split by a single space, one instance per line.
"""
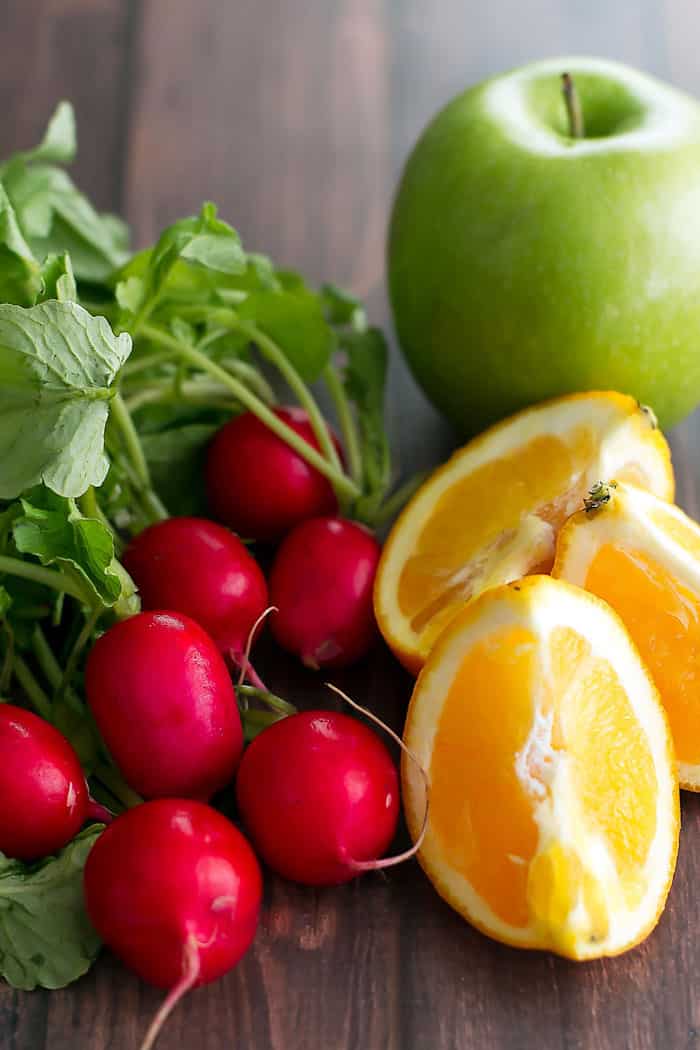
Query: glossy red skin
x=201 y=569
x=164 y=703
x=258 y=485
x=152 y=879
x=321 y=582
x=43 y=794
x=315 y=791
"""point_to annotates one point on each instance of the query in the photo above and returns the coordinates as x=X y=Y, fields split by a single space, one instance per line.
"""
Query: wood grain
x=296 y=118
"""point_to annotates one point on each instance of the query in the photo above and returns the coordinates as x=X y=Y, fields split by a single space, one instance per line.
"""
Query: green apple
x=526 y=262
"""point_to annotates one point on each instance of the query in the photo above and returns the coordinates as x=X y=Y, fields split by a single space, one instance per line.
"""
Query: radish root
x=390 y=862
x=190 y=973
x=246 y=668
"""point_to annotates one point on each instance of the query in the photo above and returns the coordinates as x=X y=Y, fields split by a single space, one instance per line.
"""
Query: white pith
x=556 y=807
x=670 y=118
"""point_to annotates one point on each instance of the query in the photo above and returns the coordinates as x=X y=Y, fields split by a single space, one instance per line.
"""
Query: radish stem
x=401 y=496
x=77 y=649
x=132 y=444
x=57 y=580
x=343 y=485
x=282 y=707
x=269 y=348
x=32 y=688
x=112 y=780
x=348 y=427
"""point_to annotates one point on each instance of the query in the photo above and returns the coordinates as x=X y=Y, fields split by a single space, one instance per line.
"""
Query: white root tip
x=190 y=973
x=389 y=862
x=244 y=662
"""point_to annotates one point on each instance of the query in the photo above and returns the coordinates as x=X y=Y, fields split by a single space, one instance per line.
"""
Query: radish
x=198 y=568
x=44 y=798
x=321 y=584
x=319 y=795
x=174 y=890
x=260 y=486
x=164 y=702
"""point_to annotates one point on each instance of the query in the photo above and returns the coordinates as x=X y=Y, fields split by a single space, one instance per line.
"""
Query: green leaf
x=46 y=939
x=203 y=241
x=117 y=230
x=53 y=530
x=295 y=321
x=57 y=364
x=341 y=307
x=58 y=279
x=57 y=217
x=58 y=145
x=130 y=294
x=53 y=215
x=5 y=601
x=20 y=280
x=365 y=382
x=176 y=460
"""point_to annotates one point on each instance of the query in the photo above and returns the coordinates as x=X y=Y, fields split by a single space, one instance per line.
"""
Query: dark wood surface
x=295 y=117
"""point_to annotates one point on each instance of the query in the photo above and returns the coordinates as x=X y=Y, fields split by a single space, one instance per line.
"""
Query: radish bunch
x=143 y=407
x=171 y=885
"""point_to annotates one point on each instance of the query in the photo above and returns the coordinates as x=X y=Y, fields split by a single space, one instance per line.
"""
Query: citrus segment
x=492 y=512
x=643 y=557
x=493 y=854
x=554 y=800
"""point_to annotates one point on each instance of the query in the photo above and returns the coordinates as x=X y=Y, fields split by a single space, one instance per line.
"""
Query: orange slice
x=643 y=557
x=554 y=810
x=491 y=513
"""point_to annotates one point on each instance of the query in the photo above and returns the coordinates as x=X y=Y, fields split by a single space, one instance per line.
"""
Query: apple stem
x=573 y=106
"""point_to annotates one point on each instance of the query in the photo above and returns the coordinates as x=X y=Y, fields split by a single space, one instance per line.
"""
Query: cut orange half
x=554 y=812
x=643 y=557
x=491 y=513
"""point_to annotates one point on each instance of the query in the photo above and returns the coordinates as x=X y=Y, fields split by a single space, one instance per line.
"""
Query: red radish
x=174 y=890
x=258 y=485
x=164 y=702
x=198 y=568
x=319 y=795
x=44 y=798
x=321 y=584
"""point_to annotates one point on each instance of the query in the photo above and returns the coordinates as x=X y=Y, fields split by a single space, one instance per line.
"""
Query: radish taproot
x=174 y=890
x=258 y=485
x=318 y=793
x=44 y=798
x=196 y=567
x=164 y=703
x=321 y=585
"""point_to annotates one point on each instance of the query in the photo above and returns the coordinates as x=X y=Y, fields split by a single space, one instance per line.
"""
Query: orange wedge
x=554 y=810
x=491 y=513
x=643 y=557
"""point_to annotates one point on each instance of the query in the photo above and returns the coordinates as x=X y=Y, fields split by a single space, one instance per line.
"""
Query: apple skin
x=524 y=264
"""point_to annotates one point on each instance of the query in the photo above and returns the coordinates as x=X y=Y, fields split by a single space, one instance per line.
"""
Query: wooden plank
x=74 y=49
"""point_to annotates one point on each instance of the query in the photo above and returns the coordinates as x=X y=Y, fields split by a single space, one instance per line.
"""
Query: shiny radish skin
x=321 y=583
x=169 y=873
x=163 y=700
x=196 y=567
x=258 y=485
x=318 y=793
x=43 y=793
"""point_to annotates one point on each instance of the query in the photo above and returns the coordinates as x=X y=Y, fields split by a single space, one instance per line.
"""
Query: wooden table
x=295 y=118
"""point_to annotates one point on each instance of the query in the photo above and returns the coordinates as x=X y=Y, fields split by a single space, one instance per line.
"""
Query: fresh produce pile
x=541 y=584
x=137 y=403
